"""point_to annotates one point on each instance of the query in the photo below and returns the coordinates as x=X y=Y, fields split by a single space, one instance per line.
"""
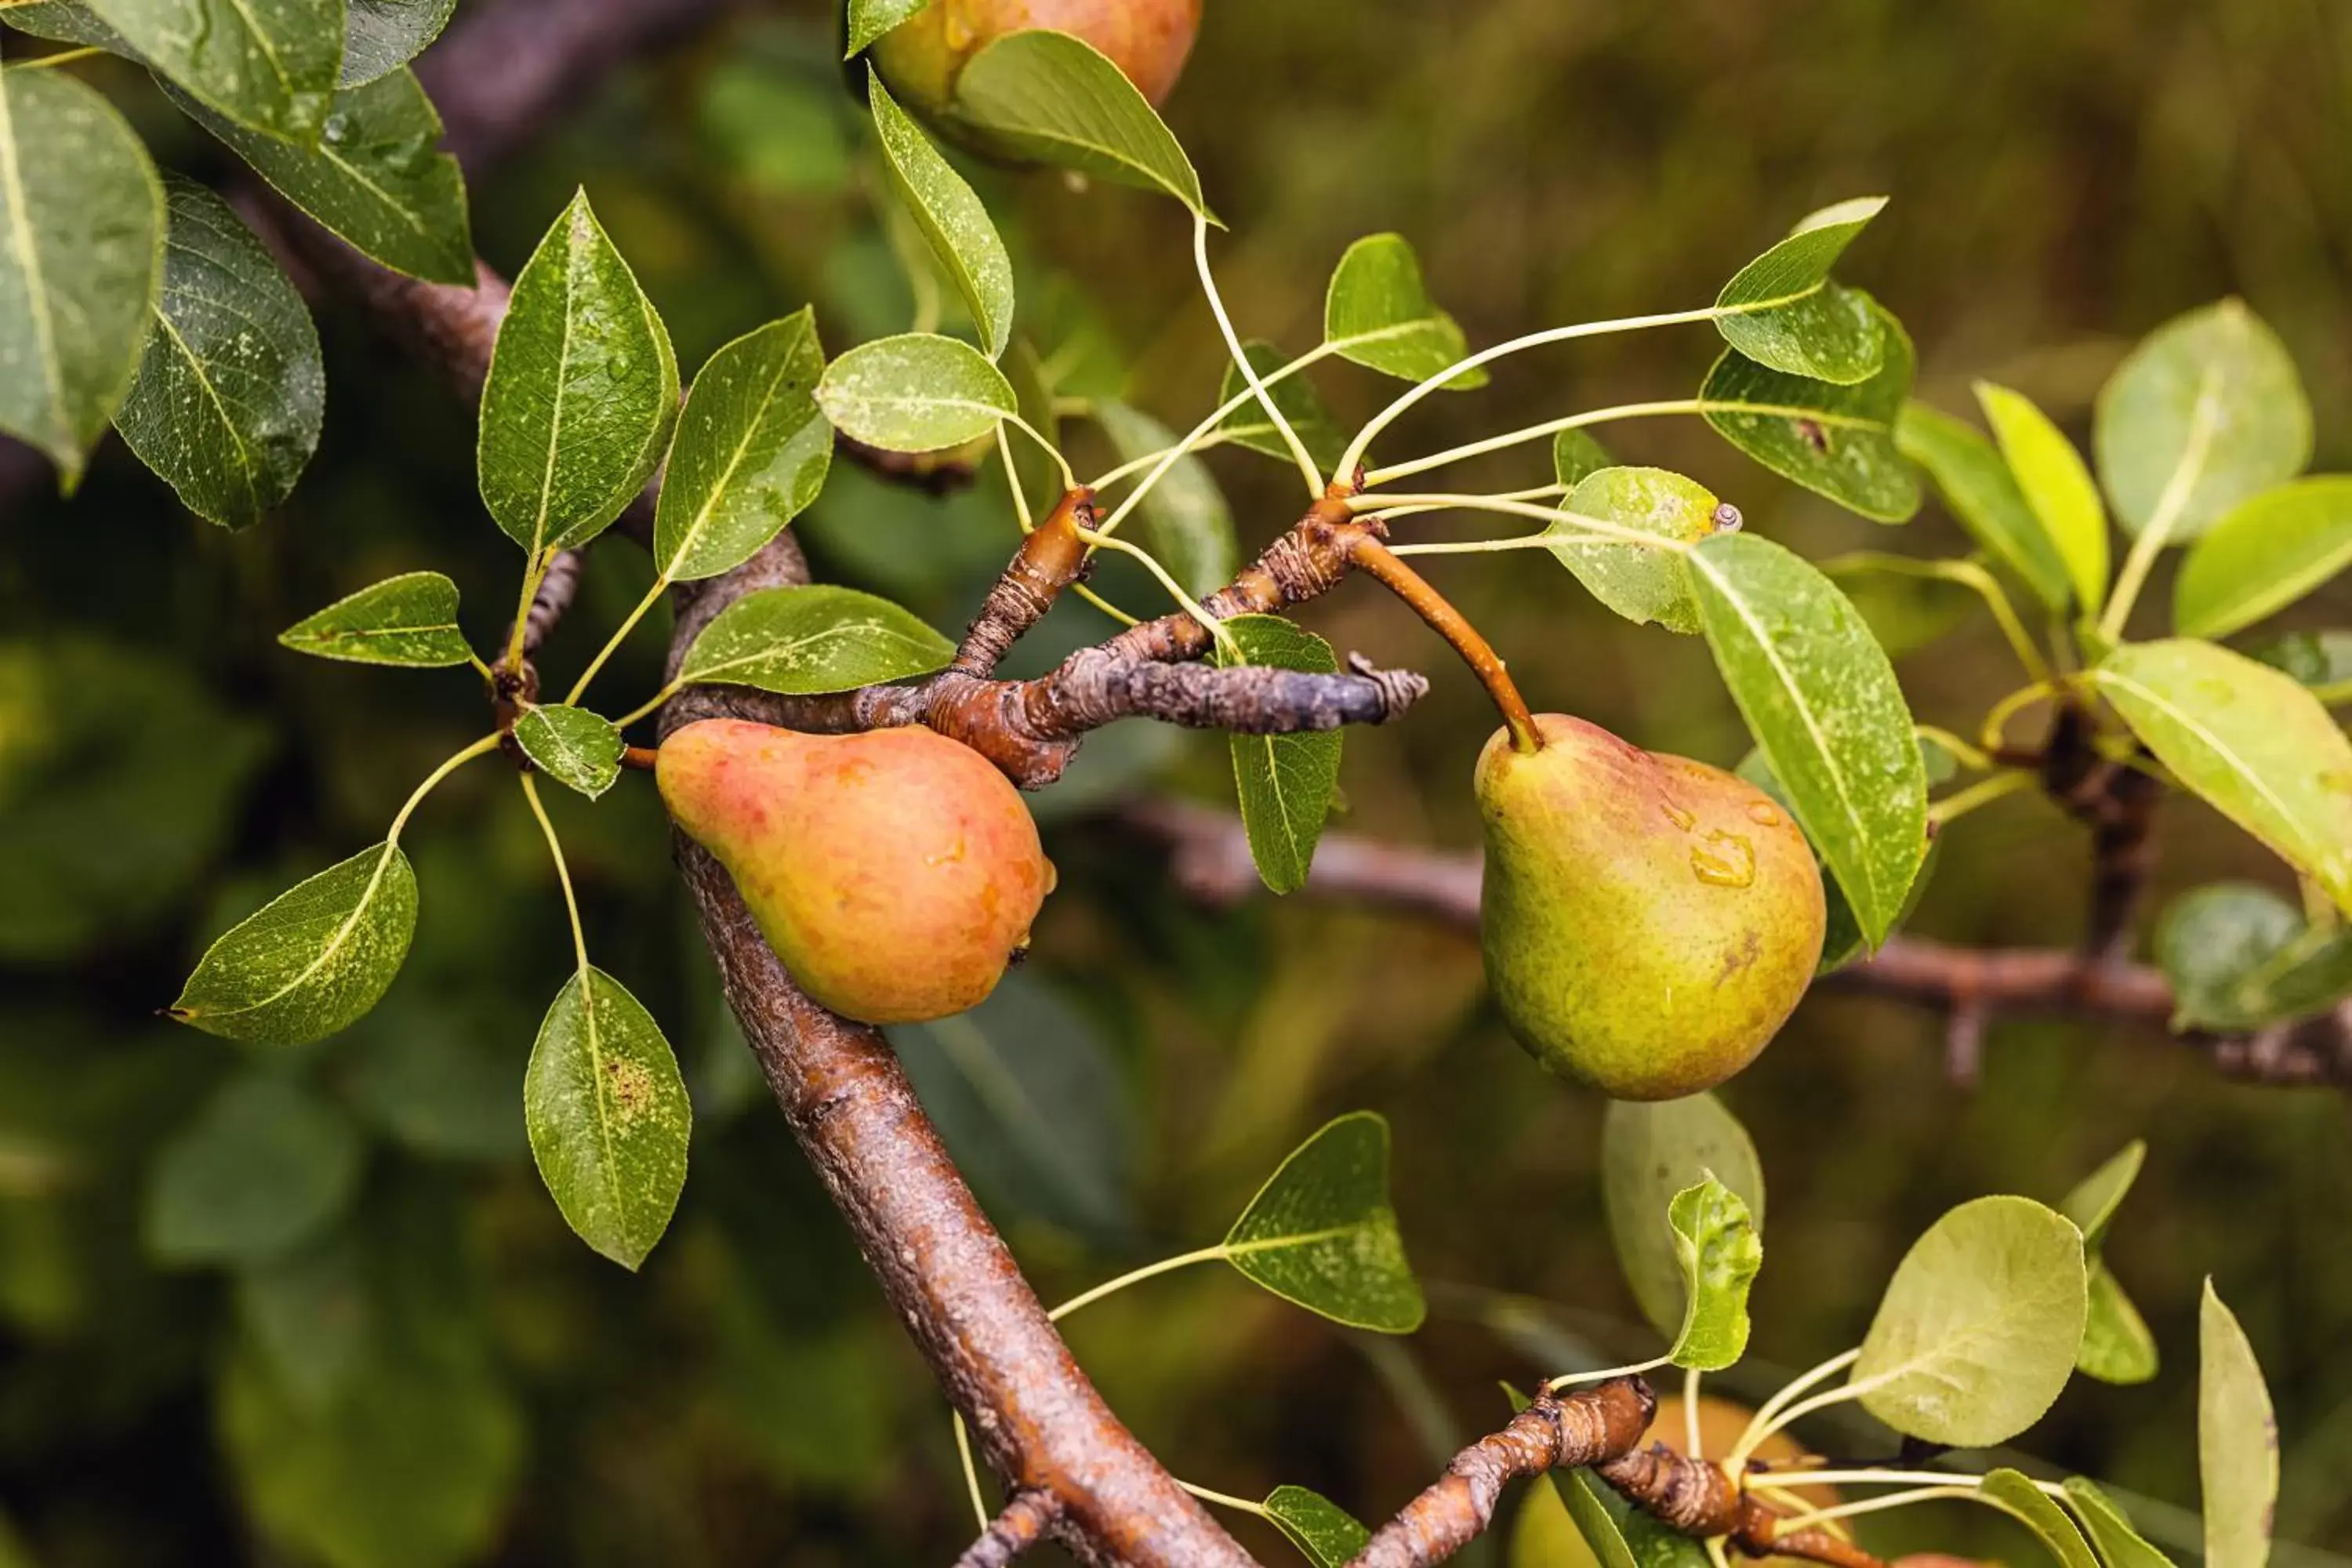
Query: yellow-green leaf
x=1837 y=441
x=578 y=748
x=1321 y=1233
x=915 y=393
x=1328 y=1534
x=2266 y=552
x=2119 y=1544
x=411 y=619
x=2015 y=1495
x=1783 y=311
x=1649 y=1152
x=1377 y=313
x=1718 y=1252
x=1037 y=94
x=2237 y=1441
x=1983 y=495
x=311 y=961
x=799 y=641
x=2056 y=486
x=963 y=238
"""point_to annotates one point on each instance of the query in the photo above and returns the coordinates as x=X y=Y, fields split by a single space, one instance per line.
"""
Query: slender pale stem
x=1760 y=1430
x=1859 y=1476
x=1600 y=528
x=1967 y=575
x=1968 y=756
x=1226 y=1500
x=489 y=677
x=1109 y=1287
x=1192 y=606
x=1069 y=479
x=1789 y=1526
x=1690 y=1415
x=1572 y=1379
x=1215 y=417
x=533 y=569
x=1952 y=807
x=649 y=704
x=1241 y=361
x=449 y=765
x=1716 y=1556
x=970 y=1471
x=1990 y=733
x=2167 y=514
x=563 y=873
x=613 y=643
x=1533 y=432
x=1105 y=606
x=1136 y=465
x=1012 y=481
x=1750 y=1439
x=63 y=58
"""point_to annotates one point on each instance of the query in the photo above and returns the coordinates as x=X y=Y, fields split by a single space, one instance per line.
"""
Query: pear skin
x=1148 y=40
x=1648 y=921
x=895 y=872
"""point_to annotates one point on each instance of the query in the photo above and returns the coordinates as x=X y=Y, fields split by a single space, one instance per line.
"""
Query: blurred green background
x=315 y=1306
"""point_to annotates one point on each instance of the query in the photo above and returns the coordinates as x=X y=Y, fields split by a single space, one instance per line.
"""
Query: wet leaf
x=916 y=393
x=1378 y=310
x=1575 y=454
x=311 y=961
x=805 y=640
x=1791 y=317
x=1649 y=1154
x=577 y=749
x=608 y=1116
x=751 y=454
x=1328 y=1534
x=2237 y=1441
x=869 y=19
x=2057 y=488
x=411 y=619
x=270 y=66
x=1837 y=441
x=2264 y=554
x=963 y=239
x=1321 y=1233
x=1054 y=97
x=1718 y=1252
x=383 y=36
x=1285 y=782
x=1641 y=584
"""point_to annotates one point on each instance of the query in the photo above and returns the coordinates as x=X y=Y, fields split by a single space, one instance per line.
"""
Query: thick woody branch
x=1027 y=1515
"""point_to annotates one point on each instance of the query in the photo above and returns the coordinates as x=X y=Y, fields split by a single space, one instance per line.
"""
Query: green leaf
x=231 y=389
x=1719 y=1251
x=1293 y=394
x=1638 y=584
x=1837 y=441
x=1822 y=702
x=2015 y=1495
x=1974 y=479
x=374 y=178
x=2253 y=742
x=384 y=34
x=753 y=451
x=2117 y=1344
x=915 y=393
x=1791 y=317
x=1328 y=1534
x=2119 y=1544
x=1978 y=1329
x=2266 y=552
x=1649 y=1154
x=963 y=238
x=1284 y=782
x=2095 y=1199
x=1379 y=313
x=1054 y=97
x=2237 y=1441
x=1574 y=455
x=2205 y=413
x=2057 y=488
x=1904 y=608
x=2240 y=956
x=1589 y=1515
x=608 y=1116
x=263 y=1167
x=1184 y=515
x=799 y=641
x=267 y=65
x=1321 y=1233
x=411 y=619
x=1032 y=1103
x=66 y=22
x=581 y=393
x=576 y=748
x=81 y=251
x=869 y=19
x=2320 y=660
x=311 y=961
x=1842 y=938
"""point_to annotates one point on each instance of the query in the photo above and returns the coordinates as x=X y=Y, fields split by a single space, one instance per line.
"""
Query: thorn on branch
x=1028 y=1514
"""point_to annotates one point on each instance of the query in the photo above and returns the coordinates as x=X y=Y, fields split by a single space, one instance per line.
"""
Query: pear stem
x=641 y=758
x=1380 y=562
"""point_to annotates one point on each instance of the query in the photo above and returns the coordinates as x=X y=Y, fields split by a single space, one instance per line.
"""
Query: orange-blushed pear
x=1148 y=40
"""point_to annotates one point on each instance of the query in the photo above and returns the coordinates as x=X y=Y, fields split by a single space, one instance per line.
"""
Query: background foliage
x=480 y=1387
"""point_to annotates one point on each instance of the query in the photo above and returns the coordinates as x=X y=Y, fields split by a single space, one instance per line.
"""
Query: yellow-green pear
x=1648 y=921
x=920 y=58
x=896 y=872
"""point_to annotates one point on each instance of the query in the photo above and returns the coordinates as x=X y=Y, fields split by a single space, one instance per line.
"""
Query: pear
x=920 y=58
x=895 y=872
x=1648 y=921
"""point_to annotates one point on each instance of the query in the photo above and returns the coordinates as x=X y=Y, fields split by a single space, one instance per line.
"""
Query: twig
x=1027 y=1515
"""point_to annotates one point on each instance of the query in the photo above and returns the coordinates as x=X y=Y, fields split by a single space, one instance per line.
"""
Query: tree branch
x=1027 y=1515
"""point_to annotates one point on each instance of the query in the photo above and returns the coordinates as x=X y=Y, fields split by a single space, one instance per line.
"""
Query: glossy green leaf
x=1590 y=1514
x=2237 y=1441
x=1575 y=454
x=963 y=237
x=66 y=22
x=2094 y=1200
x=1321 y=1233
x=1284 y=783
x=383 y=36
x=2016 y=1495
x=1782 y=309
x=231 y=389
x=1822 y=702
x=2264 y=554
x=915 y=393
x=270 y=66
x=1378 y=312
x=1976 y=485
x=1842 y=936
x=2057 y=488
x=799 y=641
x=411 y=619
x=2320 y=660
x=1328 y=1534
x=576 y=748
x=262 y=1167
x=1055 y=99
x=1837 y=441
x=2256 y=745
x=375 y=177
x=1719 y=1251
x=1031 y=1101
x=1978 y=1329
x=608 y=1116
x=1641 y=584
x=81 y=254
x=753 y=451
x=869 y=19
x=2240 y=956
x=1295 y=396
x=311 y=961
x=2205 y=413
x=582 y=391
x=2120 y=1546
x=1185 y=518
x=2117 y=1344
x=1651 y=1151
